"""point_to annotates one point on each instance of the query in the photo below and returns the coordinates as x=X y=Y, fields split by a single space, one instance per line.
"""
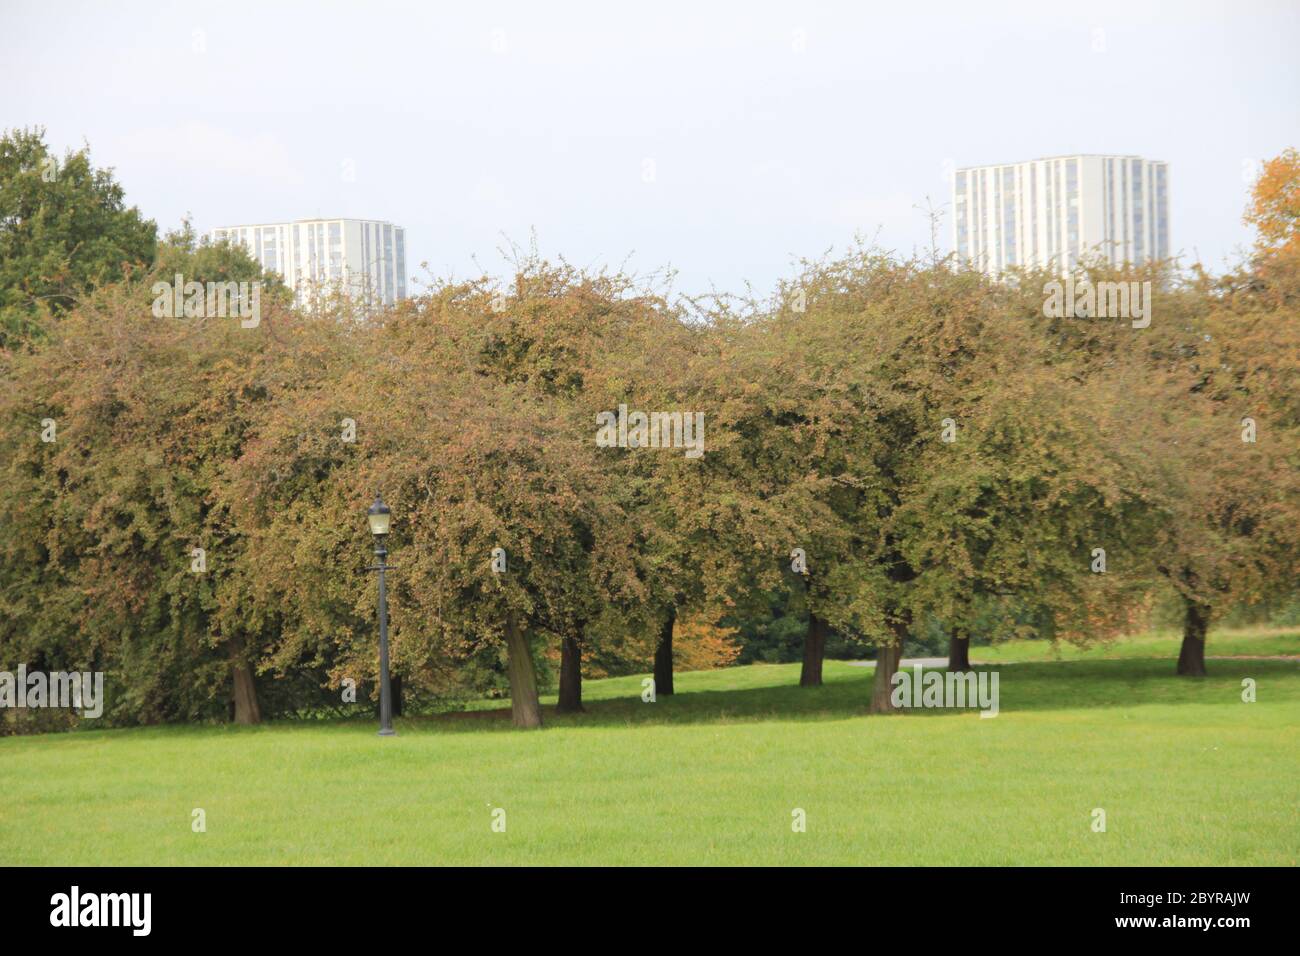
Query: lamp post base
x=390 y=732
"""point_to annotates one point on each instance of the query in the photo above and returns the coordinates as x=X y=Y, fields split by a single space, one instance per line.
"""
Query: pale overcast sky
x=767 y=130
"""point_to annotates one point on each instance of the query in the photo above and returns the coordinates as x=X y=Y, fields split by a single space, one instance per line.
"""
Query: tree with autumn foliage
x=701 y=645
x=508 y=528
x=587 y=341
x=805 y=459
x=1274 y=211
x=935 y=453
x=1225 y=473
x=1220 y=456
x=706 y=518
x=1019 y=498
x=1195 y=430
x=116 y=554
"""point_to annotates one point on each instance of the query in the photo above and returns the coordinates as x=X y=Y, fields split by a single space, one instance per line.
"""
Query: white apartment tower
x=364 y=256
x=1050 y=213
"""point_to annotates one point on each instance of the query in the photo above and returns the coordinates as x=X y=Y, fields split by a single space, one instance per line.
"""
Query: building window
x=335 y=250
x=1033 y=211
x=1139 y=220
x=270 y=259
x=1162 y=212
x=1009 y=216
x=390 y=285
x=1108 y=201
x=401 y=263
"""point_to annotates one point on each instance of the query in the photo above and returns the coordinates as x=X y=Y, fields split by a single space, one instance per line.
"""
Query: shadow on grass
x=1023 y=687
x=771 y=693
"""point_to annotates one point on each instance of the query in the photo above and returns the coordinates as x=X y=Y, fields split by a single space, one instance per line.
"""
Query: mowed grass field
x=1186 y=772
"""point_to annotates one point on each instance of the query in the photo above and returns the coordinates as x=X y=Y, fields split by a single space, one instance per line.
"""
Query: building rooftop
x=290 y=222
x=1041 y=159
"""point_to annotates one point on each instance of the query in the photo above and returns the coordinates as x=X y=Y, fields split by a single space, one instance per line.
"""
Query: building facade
x=365 y=257
x=1051 y=213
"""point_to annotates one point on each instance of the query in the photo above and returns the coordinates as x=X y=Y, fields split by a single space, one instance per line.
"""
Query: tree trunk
x=247 y=710
x=1196 y=621
x=525 y=708
x=664 y=655
x=395 y=686
x=959 y=651
x=814 y=649
x=570 y=677
x=887 y=660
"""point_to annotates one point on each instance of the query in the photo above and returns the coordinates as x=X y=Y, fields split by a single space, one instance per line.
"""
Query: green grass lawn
x=1255 y=643
x=1186 y=772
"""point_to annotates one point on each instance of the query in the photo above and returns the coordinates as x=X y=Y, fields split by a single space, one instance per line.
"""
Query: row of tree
x=885 y=442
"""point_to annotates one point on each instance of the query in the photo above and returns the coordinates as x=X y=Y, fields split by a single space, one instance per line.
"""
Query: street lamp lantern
x=380 y=516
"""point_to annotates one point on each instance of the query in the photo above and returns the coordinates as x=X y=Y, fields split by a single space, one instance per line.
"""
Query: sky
x=723 y=141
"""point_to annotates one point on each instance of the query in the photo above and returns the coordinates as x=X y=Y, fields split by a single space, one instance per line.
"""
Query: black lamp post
x=379 y=516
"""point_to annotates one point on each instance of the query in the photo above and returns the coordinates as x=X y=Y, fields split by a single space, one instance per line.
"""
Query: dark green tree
x=64 y=228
